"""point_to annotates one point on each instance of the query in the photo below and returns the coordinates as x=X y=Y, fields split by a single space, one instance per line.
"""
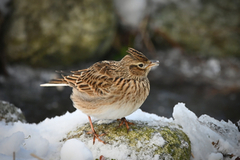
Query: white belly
x=116 y=111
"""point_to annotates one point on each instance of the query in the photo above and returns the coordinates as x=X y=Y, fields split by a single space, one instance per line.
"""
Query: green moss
x=53 y=32
x=176 y=146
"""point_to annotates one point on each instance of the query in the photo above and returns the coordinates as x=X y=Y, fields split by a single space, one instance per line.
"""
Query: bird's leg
x=123 y=120
x=95 y=135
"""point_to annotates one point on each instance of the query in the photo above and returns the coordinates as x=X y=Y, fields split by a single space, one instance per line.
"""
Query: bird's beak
x=153 y=63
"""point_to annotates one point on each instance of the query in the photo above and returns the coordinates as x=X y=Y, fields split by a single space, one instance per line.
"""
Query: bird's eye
x=140 y=65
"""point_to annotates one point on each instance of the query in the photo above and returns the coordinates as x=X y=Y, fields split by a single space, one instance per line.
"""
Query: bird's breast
x=127 y=97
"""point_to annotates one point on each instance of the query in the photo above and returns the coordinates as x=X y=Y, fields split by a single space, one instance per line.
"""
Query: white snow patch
x=74 y=149
x=205 y=131
x=157 y=140
x=41 y=145
x=215 y=156
x=41 y=139
x=11 y=144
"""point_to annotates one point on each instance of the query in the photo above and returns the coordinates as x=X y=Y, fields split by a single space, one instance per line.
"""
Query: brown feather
x=138 y=55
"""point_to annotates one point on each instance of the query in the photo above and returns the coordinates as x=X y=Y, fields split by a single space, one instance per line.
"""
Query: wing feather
x=96 y=80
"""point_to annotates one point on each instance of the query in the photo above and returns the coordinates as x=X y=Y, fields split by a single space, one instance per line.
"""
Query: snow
x=204 y=131
x=12 y=143
x=157 y=140
x=74 y=149
x=215 y=156
x=41 y=139
x=210 y=139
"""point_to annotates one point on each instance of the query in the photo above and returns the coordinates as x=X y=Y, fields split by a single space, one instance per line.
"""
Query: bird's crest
x=137 y=55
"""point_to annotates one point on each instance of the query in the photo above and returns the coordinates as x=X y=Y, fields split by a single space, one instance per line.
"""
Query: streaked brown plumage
x=110 y=89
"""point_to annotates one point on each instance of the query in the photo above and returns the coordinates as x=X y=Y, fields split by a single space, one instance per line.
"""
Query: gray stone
x=10 y=113
x=201 y=26
x=44 y=33
x=143 y=141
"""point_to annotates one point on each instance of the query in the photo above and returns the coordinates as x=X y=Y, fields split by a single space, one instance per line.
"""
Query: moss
x=140 y=138
x=56 y=32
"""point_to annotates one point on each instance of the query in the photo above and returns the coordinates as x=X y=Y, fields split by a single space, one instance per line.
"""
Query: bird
x=109 y=89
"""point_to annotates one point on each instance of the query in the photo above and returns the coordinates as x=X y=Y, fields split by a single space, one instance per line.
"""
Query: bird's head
x=137 y=63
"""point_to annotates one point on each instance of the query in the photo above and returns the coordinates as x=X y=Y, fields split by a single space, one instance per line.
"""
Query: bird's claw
x=123 y=120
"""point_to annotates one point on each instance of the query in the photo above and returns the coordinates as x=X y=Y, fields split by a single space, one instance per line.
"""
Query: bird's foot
x=123 y=120
x=95 y=135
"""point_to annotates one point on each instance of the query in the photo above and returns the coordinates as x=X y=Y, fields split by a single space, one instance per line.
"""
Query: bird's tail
x=55 y=83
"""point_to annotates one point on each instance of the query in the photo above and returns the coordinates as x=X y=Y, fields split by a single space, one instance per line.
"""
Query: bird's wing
x=97 y=80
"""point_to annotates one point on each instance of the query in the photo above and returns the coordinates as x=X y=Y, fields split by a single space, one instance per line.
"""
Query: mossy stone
x=142 y=139
x=208 y=28
x=59 y=32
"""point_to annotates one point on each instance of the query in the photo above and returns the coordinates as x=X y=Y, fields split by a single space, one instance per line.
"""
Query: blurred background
x=196 y=41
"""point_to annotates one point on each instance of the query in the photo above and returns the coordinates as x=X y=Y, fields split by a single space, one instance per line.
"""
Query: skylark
x=110 y=89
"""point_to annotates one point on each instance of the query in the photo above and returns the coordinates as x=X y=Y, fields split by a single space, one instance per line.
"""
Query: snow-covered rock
x=210 y=139
x=208 y=136
x=145 y=140
x=10 y=113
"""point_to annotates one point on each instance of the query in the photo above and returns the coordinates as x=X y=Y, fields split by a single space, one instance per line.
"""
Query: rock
x=46 y=33
x=203 y=27
x=142 y=141
x=10 y=113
